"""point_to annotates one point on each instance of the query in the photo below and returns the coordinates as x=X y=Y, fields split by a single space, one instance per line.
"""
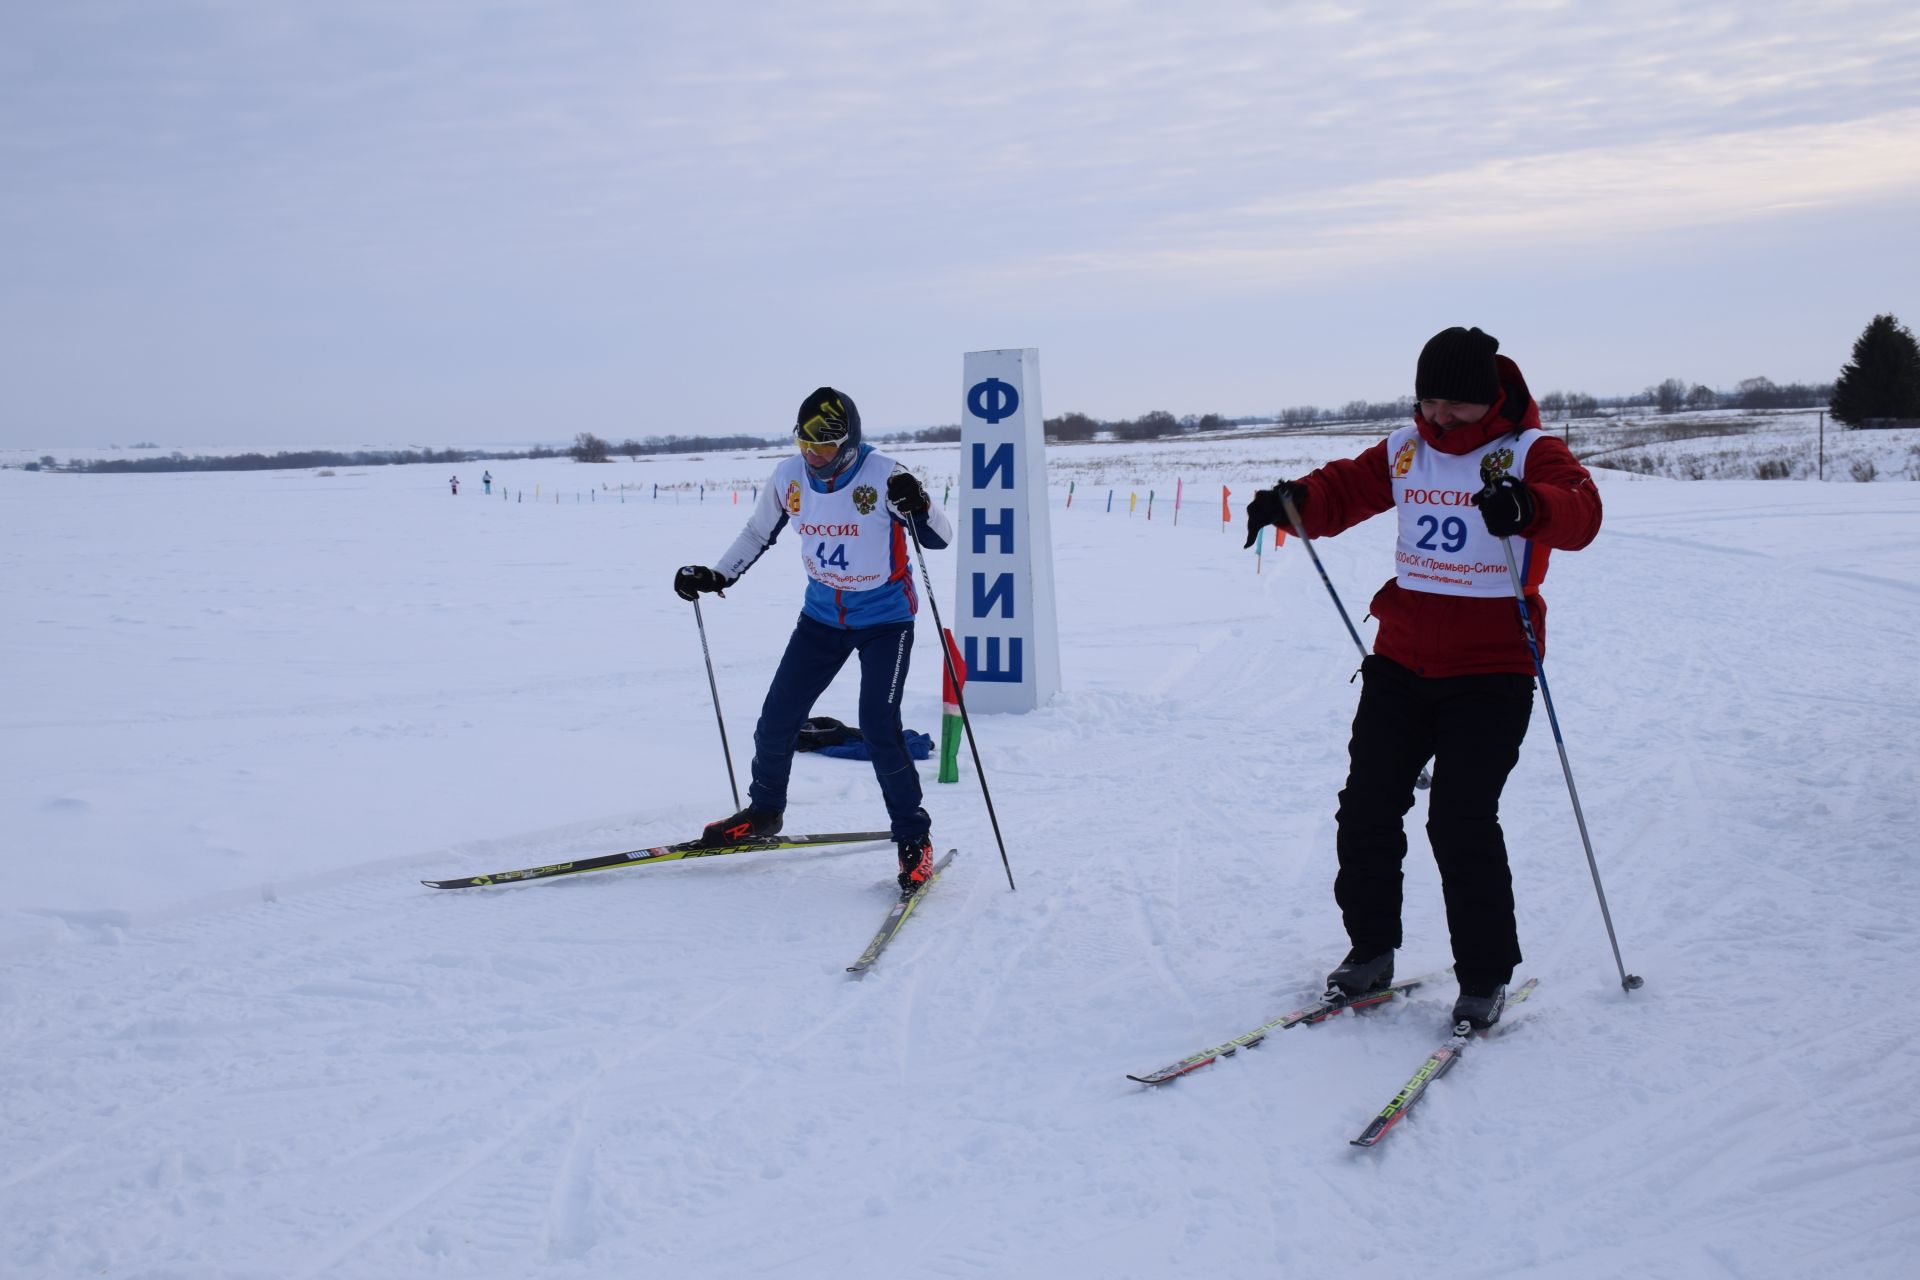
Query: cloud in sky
x=514 y=220
x=1601 y=196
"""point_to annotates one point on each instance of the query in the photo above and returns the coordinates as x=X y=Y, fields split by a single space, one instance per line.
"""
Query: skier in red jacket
x=1450 y=679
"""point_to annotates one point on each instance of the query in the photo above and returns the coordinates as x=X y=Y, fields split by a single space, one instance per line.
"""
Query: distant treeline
x=1670 y=396
x=694 y=444
x=587 y=448
x=298 y=461
x=1078 y=426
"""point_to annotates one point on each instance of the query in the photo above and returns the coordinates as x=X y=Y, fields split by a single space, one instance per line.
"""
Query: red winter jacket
x=1441 y=635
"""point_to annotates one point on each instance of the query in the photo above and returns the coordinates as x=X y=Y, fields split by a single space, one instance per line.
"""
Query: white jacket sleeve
x=763 y=526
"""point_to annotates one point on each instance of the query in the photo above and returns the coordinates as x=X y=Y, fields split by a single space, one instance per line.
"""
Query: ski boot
x=916 y=864
x=748 y=824
x=1479 y=1004
x=1365 y=970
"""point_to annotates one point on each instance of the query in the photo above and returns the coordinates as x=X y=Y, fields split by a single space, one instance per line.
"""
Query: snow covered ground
x=243 y=714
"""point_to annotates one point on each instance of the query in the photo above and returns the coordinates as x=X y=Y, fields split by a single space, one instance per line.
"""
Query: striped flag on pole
x=951 y=725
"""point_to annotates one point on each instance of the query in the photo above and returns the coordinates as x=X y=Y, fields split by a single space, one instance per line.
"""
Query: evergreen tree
x=1883 y=378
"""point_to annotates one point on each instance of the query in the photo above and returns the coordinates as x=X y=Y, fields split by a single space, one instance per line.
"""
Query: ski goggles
x=818 y=453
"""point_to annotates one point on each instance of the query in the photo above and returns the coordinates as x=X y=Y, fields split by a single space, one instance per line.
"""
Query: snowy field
x=244 y=714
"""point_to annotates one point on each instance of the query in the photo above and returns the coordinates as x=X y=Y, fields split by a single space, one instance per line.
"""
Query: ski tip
x=1167 y=1073
x=1156 y=1080
x=1376 y=1131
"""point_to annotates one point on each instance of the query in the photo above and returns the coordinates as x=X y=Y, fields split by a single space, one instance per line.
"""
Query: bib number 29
x=1451 y=532
x=838 y=560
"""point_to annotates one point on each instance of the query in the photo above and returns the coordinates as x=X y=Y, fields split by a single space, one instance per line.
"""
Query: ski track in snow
x=664 y=1070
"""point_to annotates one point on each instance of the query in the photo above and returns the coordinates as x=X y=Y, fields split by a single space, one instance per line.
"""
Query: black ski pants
x=1471 y=728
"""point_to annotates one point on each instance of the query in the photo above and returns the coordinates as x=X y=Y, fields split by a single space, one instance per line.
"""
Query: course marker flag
x=951 y=724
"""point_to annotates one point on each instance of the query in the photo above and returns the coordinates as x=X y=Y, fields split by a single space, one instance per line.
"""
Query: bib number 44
x=838 y=560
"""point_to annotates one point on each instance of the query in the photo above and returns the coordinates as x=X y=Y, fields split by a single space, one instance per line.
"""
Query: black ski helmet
x=828 y=416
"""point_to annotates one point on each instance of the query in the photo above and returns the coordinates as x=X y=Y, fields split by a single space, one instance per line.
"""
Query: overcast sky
x=435 y=221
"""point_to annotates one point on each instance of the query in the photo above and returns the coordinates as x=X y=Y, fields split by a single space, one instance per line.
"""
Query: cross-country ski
x=1327 y=1006
x=1437 y=1064
x=897 y=915
x=661 y=853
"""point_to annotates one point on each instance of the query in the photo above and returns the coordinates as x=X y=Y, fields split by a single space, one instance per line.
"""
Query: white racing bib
x=1444 y=544
x=848 y=540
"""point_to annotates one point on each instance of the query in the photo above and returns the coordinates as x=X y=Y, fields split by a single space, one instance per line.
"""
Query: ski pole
x=715 y=689
x=1425 y=779
x=946 y=655
x=1628 y=981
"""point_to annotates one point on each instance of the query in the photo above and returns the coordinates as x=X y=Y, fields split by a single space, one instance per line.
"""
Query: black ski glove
x=691 y=580
x=1266 y=508
x=1506 y=506
x=906 y=496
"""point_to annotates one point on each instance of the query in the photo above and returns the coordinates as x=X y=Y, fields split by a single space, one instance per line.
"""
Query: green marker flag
x=951 y=725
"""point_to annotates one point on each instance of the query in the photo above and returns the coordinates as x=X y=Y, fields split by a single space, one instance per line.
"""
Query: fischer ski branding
x=664 y=853
x=897 y=916
x=1438 y=1063
x=1319 y=1011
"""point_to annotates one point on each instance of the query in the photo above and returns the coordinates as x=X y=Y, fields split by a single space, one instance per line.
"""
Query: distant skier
x=455 y=482
x=860 y=598
x=486 y=482
x=1450 y=679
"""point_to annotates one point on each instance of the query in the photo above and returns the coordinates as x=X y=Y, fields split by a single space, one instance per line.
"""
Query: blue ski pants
x=815 y=653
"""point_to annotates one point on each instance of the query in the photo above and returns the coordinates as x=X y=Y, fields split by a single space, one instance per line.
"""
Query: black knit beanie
x=1457 y=364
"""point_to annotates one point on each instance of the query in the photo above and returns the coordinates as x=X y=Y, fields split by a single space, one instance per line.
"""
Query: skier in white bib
x=1450 y=679
x=849 y=504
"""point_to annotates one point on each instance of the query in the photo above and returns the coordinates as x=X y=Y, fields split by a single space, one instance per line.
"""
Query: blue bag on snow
x=831 y=737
